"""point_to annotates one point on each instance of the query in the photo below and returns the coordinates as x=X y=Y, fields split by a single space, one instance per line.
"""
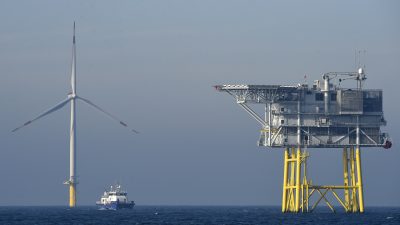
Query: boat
x=115 y=199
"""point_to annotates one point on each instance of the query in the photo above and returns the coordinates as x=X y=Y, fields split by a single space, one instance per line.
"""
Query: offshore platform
x=321 y=116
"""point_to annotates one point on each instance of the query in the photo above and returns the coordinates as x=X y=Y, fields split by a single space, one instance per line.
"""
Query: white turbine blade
x=73 y=66
x=107 y=113
x=45 y=113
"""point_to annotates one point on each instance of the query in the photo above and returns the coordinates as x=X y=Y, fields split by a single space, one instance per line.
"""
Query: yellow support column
x=305 y=193
x=346 y=179
x=359 y=181
x=295 y=192
x=72 y=195
x=353 y=199
x=285 y=180
x=292 y=173
x=298 y=174
x=307 y=197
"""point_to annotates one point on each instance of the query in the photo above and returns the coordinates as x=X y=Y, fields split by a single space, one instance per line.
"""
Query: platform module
x=324 y=115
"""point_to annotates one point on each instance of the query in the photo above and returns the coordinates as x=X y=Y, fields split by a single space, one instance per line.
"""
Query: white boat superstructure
x=115 y=199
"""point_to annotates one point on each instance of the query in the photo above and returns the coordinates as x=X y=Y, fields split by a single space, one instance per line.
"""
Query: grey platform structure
x=321 y=116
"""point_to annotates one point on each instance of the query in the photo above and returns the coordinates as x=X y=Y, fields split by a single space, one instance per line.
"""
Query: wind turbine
x=72 y=97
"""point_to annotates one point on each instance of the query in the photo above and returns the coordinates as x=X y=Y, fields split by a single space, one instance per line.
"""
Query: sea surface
x=192 y=215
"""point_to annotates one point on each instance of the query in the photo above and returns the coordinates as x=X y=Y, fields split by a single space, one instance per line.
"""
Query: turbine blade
x=45 y=113
x=73 y=66
x=107 y=113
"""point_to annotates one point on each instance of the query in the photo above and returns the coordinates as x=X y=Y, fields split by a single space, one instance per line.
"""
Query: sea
x=192 y=215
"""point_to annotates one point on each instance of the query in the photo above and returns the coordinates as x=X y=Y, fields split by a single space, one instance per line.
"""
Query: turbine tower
x=72 y=97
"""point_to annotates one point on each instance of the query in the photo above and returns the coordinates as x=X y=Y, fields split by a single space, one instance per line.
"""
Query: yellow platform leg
x=298 y=174
x=292 y=173
x=359 y=181
x=292 y=186
x=353 y=200
x=72 y=195
x=285 y=180
x=346 y=179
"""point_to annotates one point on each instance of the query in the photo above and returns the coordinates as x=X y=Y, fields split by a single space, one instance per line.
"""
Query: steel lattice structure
x=321 y=116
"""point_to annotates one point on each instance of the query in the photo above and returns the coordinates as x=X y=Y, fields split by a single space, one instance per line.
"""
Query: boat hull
x=116 y=206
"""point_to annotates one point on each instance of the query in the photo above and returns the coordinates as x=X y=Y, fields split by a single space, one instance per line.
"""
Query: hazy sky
x=153 y=64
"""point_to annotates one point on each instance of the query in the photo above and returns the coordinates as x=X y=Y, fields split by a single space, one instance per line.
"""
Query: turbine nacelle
x=72 y=96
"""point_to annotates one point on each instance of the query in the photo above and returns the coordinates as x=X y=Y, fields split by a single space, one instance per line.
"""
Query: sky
x=154 y=64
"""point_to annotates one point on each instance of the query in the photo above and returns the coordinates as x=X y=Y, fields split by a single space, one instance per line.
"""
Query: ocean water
x=191 y=215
